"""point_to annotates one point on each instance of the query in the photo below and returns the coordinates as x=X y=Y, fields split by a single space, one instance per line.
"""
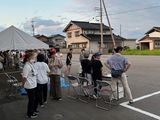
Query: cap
x=86 y=54
x=98 y=54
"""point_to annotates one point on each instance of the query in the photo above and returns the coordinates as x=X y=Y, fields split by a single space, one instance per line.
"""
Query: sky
x=128 y=18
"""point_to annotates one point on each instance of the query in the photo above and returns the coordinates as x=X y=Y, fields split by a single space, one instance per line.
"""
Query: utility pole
x=33 y=27
x=120 y=31
x=101 y=26
x=109 y=23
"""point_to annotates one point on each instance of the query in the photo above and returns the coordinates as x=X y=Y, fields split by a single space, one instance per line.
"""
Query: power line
x=135 y=10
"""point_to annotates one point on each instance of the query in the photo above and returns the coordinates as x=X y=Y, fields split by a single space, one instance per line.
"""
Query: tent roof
x=14 y=39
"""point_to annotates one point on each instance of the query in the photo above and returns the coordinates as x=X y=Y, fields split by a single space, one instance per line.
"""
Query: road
x=143 y=79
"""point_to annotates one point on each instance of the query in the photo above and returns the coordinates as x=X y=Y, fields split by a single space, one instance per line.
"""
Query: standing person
x=16 y=61
x=42 y=79
x=86 y=67
x=69 y=61
x=46 y=58
x=55 y=66
x=120 y=62
x=96 y=66
x=81 y=57
x=29 y=82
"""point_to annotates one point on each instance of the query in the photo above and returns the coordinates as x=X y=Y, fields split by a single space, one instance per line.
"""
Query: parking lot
x=144 y=81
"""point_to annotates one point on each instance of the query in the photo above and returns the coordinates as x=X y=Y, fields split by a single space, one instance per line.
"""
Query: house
x=131 y=43
x=87 y=35
x=151 y=40
x=57 y=40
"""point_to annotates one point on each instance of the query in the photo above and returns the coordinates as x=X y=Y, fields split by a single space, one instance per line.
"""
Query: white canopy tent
x=14 y=39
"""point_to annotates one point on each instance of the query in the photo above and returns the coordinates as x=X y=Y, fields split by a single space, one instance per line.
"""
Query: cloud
x=42 y=26
x=135 y=16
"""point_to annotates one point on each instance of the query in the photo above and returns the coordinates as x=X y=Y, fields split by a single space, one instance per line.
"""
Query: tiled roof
x=38 y=35
x=56 y=35
x=86 y=25
x=150 y=38
x=153 y=29
x=94 y=37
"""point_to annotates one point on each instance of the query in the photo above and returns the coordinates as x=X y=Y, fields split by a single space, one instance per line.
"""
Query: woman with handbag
x=55 y=66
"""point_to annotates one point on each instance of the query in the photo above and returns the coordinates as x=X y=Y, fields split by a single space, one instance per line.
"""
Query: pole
x=120 y=30
x=101 y=26
x=109 y=23
x=32 y=26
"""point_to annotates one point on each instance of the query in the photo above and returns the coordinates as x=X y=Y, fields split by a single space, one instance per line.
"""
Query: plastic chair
x=74 y=84
x=106 y=95
x=86 y=89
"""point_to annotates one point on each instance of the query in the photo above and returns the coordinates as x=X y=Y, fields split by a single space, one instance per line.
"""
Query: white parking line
x=125 y=104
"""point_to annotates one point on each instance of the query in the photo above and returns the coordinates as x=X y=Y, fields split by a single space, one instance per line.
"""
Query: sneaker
x=32 y=116
x=36 y=112
x=41 y=106
x=45 y=102
x=130 y=102
x=94 y=97
x=60 y=99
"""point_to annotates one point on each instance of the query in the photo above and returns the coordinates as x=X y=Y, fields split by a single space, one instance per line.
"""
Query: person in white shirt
x=29 y=82
x=55 y=66
x=42 y=78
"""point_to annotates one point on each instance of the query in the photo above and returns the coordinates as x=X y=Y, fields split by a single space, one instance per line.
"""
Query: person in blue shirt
x=120 y=62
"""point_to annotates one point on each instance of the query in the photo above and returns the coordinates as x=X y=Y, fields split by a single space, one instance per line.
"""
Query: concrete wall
x=130 y=43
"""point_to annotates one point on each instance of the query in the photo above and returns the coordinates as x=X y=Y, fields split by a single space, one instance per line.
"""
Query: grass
x=141 y=52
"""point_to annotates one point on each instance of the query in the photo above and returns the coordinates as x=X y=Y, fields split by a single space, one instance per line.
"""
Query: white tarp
x=14 y=39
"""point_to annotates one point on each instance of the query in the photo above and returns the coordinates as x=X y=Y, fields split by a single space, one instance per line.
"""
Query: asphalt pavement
x=144 y=81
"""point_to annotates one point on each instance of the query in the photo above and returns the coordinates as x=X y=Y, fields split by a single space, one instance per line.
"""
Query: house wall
x=94 y=46
x=42 y=38
x=151 y=43
x=131 y=44
x=74 y=38
x=154 y=34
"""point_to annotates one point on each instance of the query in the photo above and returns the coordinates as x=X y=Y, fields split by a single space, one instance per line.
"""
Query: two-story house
x=151 y=40
x=80 y=34
x=56 y=41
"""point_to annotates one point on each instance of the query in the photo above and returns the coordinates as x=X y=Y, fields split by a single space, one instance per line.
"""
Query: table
x=120 y=90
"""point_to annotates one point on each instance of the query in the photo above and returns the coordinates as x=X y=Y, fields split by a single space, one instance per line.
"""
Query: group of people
x=11 y=59
x=92 y=69
x=38 y=70
x=35 y=76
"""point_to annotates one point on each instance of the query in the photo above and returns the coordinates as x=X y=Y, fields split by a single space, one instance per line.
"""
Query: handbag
x=116 y=73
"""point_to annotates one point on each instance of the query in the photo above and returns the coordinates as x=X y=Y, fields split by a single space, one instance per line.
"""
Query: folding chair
x=10 y=82
x=106 y=95
x=86 y=89
x=74 y=84
x=16 y=86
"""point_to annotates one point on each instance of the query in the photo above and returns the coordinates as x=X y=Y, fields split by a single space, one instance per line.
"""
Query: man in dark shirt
x=86 y=67
x=96 y=66
x=69 y=61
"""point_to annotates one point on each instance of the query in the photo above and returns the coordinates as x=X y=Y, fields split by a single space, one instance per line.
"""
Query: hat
x=97 y=54
x=86 y=54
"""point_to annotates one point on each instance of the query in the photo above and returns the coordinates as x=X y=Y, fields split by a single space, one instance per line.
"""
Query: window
x=69 y=35
x=157 y=44
x=76 y=33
